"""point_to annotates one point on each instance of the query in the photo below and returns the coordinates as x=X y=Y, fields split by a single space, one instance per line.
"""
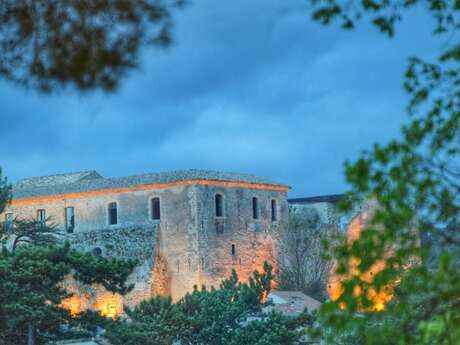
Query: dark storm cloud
x=249 y=86
x=24 y=126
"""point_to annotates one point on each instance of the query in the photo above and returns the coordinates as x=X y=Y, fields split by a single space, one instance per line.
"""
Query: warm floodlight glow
x=109 y=305
x=80 y=195
x=73 y=304
x=335 y=288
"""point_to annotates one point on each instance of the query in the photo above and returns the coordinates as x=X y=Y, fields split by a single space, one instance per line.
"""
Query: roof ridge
x=46 y=185
x=196 y=174
x=60 y=174
x=56 y=179
x=318 y=198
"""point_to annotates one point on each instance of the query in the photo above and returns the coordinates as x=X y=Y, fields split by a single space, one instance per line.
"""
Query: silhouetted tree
x=303 y=268
x=88 y=44
x=28 y=231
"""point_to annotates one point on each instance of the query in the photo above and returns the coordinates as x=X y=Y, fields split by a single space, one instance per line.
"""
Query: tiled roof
x=92 y=181
x=332 y=198
x=292 y=302
x=51 y=180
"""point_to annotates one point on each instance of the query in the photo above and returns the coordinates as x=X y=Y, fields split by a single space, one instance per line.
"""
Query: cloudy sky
x=249 y=86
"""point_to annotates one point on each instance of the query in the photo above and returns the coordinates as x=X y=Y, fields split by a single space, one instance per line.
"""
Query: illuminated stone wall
x=189 y=246
x=255 y=241
x=197 y=246
x=91 y=212
x=128 y=243
x=92 y=297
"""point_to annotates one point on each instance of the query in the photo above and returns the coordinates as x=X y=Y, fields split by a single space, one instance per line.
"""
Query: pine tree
x=31 y=289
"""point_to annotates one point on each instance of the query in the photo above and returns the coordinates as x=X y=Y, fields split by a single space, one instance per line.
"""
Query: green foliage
x=385 y=14
x=262 y=282
x=207 y=316
x=47 y=44
x=153 y=322
x=274 y=329
x=210 y=316
x=112 y=273
x=24 y=231
x=28 y=231
x=5 y=192
x=31 y=290
x=415 y=184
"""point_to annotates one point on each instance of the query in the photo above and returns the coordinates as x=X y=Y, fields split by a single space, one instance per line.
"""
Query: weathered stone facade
x=189 y=245
x=128 y=243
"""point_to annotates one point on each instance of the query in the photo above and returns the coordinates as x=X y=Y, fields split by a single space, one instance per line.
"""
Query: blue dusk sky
x=248 y=86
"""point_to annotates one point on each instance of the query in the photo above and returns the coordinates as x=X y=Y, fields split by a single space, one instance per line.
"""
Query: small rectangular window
x=274 y=211
x=155 y=208
x=41 y=216
x=113 y=214
x=233 y=250
x=255 y=208
x=219 y=205
x=9 y=219
x=70 y=219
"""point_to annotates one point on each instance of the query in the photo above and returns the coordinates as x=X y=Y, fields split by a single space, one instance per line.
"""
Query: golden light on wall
x=381 y=298
x=109 y=305
x=246 y=270
x=73 y=304
x=335 y=288
x=108 y=191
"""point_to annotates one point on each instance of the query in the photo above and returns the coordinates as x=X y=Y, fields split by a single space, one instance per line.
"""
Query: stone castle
x=185 y=228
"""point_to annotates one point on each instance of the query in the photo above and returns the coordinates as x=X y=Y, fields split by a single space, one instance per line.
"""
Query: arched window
x=113 y=214
x=155 y=208
x=219 y=201
x=274 y=211
x=255 y=208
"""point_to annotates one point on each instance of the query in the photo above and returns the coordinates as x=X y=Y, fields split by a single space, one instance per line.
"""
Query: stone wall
x=327 y=211
x=196 y=246
x=188 y=246
x=91 y=213
x=127 y=243
x=254 y=240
